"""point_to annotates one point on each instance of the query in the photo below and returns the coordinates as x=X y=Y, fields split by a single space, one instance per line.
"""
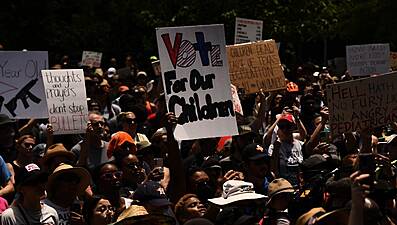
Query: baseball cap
x=152 y=193
x=31 y=174
x=254 y=152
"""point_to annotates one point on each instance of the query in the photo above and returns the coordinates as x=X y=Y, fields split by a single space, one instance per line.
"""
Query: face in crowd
x=98 y=124
x=25 y=146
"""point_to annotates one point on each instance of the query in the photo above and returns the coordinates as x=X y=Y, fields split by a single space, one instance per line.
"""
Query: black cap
x=4 y=119
x=253 y=152
x=151 y=192
x=30 y=174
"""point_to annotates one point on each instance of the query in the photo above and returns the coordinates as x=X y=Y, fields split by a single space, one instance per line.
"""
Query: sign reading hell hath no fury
x=363 y=103
x=195 y=76
x=66 y=100
x=254 y=66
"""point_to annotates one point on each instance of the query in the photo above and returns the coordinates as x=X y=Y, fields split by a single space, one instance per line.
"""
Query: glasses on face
x=98 y=124
x=112 y=175
x=103 y=208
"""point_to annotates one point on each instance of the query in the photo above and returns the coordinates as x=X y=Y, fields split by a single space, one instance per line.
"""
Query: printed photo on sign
x=21 y=86
x=195 y=77
x=92 y=59
x=66 y=100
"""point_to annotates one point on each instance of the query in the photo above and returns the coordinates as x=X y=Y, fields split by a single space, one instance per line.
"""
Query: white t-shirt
x=63 y=213
x=17 y=215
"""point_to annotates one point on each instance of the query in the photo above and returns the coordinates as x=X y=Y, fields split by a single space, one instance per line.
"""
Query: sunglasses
x=111 y=175
x=98 y=124
x=103 y=208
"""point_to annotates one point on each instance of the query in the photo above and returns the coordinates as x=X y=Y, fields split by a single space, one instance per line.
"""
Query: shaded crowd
x=284 y=167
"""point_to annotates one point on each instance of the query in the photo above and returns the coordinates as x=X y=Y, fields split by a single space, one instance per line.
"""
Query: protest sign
x=236 y=100
x=92 y=59
x=363 y=103
x=255 y=65
x=393 y=61
x=66 y=100
x=247 y=30
x=196 y=82
x=21 y=87
x=369 y=59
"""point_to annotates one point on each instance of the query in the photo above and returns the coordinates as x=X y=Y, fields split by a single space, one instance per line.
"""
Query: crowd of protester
x=284 y=167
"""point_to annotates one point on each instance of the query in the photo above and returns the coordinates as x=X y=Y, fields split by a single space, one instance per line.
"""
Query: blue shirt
x=5 y=174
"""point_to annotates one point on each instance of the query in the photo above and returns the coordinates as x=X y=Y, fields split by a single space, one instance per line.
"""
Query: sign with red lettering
x=363 y=103
x=369 y=59
x=21 y=87
x=91 y=59
x=255 y=65
x=196 y=82
x=66 y=100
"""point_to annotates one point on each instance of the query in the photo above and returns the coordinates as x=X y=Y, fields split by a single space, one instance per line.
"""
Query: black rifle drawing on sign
x=23 y=94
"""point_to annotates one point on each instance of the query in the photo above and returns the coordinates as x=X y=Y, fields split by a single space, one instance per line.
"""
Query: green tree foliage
x=116 y=27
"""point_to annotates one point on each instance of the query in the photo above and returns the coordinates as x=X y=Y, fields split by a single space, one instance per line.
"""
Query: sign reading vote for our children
x=196 y=81
x=21 y=87
x=66 y=100
x=369 y=59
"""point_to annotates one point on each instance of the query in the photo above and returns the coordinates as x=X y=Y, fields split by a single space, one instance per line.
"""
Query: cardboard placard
x=66 y=100
x=369 y=59
x=195 y=77
x=256 y=65
x=247 y=30
x=91 y=59
x=363 y=103
x=21 y=86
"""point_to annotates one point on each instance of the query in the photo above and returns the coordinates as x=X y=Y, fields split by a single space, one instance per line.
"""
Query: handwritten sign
x=21 y=87
x=393 y=61
x=92 y=59
x=368 y=59
x=256 y=65
x=66 y=100
x=196 y=82
x=248 y=30
x=363 y=103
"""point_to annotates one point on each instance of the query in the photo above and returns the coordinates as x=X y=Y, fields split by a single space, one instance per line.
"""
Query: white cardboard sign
x=369 y=59
x=196 y=82
x=21 y=86
x=66 y=100
x=247 y=30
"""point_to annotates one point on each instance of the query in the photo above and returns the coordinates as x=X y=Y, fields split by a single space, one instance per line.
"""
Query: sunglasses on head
x=111 y=175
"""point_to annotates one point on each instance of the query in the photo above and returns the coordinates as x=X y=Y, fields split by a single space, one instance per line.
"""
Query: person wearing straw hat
x=55 y=155
x=64 y=185
x=280 y=193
